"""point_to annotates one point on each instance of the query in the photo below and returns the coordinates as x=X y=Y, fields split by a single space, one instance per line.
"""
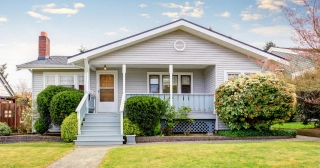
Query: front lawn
x=36 y=154
x=292 y=125
x=264 y=154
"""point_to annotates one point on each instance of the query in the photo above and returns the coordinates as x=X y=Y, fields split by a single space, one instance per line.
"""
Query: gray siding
x=198 y=51
x=37 y=83
x=222 y=125
x=93 y=82
x=209 y=79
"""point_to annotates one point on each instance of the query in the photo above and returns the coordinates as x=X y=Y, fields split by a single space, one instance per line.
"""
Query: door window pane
x=185 y=84
x=154 y=83
x=166 y=84
x=106 y=95
x=107 y=80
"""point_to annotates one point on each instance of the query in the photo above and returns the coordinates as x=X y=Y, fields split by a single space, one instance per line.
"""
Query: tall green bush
x=69 y=128
x=41 y=126
x=146 y=111
x=4 y=129
x=43 y=103
x=63 y=104
x=254 y=102
x=130 y=128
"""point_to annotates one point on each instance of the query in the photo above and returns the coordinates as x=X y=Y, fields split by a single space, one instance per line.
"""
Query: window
x=72 y=80
x=7 y=114
x=50 y=80
x=185 y=84
x=159 y=82
x=154 y=83
x=235 y=73
x=81 y=82
x=166 y=84
x=66 y=81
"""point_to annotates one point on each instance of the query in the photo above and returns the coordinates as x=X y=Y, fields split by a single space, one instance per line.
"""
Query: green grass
x=264 y=154
x=292 y=125
x=35 y=154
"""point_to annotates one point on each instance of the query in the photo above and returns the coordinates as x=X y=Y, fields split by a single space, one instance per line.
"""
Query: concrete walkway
x=91 y=156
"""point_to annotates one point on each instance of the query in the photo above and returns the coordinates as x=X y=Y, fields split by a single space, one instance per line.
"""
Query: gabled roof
x=186 y=26
x=4 y=84
x=48 y=63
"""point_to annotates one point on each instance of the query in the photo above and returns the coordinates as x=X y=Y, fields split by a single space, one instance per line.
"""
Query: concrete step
x=101 y=127
x=99 y=115
x=97 y=143
x=100 y=137
x=100 y=132
x=94 y=123
x=103 y=119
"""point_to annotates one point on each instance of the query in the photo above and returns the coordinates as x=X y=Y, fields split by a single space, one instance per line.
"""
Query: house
x=6 y=92
x=180 y=60
x=301 y=60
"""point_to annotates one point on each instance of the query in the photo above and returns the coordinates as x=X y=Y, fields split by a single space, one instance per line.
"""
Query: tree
x=3 y=69
x=268 y=45
x=82 y=49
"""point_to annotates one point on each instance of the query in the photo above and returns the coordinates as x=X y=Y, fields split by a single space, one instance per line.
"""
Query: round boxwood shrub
x=129 y=128
x=41 y=126
x=146 y=112
x=4 y=129
x=69 y=128
x=254 y=102
x=43 y=102
x=63 y=104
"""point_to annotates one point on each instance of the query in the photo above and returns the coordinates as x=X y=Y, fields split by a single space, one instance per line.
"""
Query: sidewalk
x=91 y=156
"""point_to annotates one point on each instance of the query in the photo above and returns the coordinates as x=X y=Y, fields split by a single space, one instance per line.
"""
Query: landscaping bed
x=29 y=138
x=309 y=132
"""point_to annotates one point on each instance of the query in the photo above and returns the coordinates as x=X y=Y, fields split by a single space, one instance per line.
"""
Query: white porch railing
x=123 y=99
x=87 y=102
x=197 y=102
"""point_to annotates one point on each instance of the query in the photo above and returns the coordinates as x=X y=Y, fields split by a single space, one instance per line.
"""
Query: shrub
x=254 y=102
x=69 y=128
x=130 y=128
x=250 y=133
x=308 y=106
x=41 y=126
x=146 y=112
x=43 y=102
x=4 y=129
x=63 y=104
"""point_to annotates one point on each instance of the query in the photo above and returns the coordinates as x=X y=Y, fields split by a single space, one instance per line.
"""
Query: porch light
x=105 y=67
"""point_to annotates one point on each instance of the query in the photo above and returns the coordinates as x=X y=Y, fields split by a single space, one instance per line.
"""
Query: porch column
x=124 y=70
x=86 y=76
x=171 y=89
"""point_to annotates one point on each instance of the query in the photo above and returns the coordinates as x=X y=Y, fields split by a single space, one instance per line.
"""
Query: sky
x=72 y=24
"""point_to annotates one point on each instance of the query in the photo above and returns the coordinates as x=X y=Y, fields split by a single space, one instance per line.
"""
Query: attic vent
x=179 y=45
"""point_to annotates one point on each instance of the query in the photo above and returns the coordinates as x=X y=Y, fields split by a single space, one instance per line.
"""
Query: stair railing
x=82 y=109
x=123 y=99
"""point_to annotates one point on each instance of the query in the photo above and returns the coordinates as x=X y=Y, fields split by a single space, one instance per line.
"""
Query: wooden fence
x=11 y=114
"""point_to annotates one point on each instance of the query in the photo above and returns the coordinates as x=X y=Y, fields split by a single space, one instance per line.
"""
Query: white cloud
x=143 y=5
x=280 y=30
x=185 y=10
x=145 y=15
x=277 y=19
x=53 y=9
x=110 y=33
x=248 y=15
x=224 y=14
x=3 y=45
x=272 y=5
x=38 y=16
x=298 y=2
x=123 y=29
x=235 y=26
x=3 y=19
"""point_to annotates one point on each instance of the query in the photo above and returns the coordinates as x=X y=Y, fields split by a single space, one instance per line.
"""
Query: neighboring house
x=180 y=60
x=6 y=92
x=300 y=60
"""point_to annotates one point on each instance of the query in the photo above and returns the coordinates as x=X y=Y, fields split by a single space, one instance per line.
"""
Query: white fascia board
x=124 y=42
x=284 y=50
x=19 y=68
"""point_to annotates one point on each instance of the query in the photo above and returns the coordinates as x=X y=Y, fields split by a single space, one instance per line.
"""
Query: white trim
x=181 y=49
x=57 y=74
x=167 y=73
x=116 y=93
x=181 y=24
x=241 y=72
x=284 y=50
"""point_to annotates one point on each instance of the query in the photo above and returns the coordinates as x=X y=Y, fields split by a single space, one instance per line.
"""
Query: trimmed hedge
x=130 y=128
x=43 y=103
x=69 y=128
x=4 y=129
x=250 y=133
x=41 y=126
x=63 y=104
x=146 y=112
x=254 y=102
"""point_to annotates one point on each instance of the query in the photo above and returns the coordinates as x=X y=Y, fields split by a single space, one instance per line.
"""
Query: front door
x=107 y=91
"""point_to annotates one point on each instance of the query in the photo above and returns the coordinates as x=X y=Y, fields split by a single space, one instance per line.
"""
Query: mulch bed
x=315 y=132
x=29 y=138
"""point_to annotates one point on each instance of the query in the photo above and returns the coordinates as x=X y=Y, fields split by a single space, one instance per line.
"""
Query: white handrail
x=123 y=99
x=81 y=110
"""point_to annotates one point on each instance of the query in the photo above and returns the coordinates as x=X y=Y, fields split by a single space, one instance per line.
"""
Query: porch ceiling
x=180 y=66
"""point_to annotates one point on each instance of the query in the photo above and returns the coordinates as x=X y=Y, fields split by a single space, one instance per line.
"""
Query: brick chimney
x=44 y=46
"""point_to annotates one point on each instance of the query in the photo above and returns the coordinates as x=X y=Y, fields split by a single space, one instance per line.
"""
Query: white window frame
x=57 y=74
x=240 y=72
x=167 y=73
